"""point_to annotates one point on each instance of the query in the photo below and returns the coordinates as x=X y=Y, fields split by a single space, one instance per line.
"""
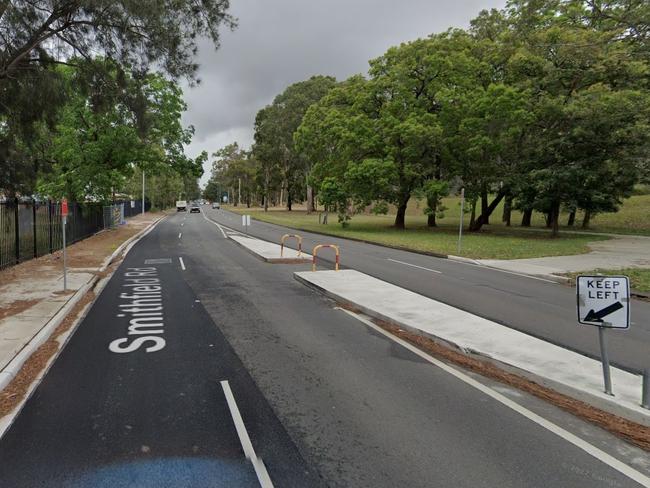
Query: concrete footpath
x=563 y=370
x=616 y=253
x=33 y=302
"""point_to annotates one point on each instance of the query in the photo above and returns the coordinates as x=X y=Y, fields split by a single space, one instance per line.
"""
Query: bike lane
x=136 y=399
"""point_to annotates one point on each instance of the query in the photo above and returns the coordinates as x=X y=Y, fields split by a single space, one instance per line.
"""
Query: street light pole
x=143 y=191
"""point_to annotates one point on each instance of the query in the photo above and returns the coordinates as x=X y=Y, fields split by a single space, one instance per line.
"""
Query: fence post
x=49 y=222
x=34 y=226
x=17 y=230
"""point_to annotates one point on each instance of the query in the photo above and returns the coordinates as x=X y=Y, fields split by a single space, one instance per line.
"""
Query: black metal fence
x=32 y=229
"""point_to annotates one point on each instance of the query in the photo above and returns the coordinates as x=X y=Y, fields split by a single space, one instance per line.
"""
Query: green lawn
x=639 y=278
x=495 y=242
x=632 y=218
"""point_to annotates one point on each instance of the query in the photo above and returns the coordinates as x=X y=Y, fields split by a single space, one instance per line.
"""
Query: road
x=537 y=307
x=324 y=399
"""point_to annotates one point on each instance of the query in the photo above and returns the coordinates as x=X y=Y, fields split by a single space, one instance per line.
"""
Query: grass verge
x=639 y=278
x=495 y=242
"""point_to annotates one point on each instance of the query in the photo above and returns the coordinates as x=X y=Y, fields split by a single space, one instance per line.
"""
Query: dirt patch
x=16 y=390
x=88 y=253
x=14 y=308
x=632 y=432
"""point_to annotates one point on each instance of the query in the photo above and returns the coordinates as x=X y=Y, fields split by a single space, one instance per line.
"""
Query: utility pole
x=143 y=191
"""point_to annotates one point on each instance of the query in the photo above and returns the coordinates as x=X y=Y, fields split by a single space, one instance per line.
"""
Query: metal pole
x=462 y=210
x=34 y=226
x=605 y=360
x=17 y=230
x=142 y=211
x=65 y=274
x=239 y=194
x=645 y=396
x=49 y=222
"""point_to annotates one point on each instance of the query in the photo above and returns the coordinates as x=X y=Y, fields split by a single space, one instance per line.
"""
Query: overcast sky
x=279 y=42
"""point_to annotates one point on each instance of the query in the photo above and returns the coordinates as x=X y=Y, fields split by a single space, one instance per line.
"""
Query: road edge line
x=590 y=449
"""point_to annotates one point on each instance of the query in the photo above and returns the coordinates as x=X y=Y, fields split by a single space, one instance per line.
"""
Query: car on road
x=194 y=208
x=216 y=205
x=181 y=206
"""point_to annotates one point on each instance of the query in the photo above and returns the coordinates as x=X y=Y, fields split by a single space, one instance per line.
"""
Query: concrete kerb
x=241 y=242
x=14 y=366
x=596 y=399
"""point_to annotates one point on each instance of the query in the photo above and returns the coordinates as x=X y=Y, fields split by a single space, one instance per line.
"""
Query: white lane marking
x=182 y=224
x=260 y=470
x=214 y=223
x=504 y=271
x=182 y=263
x=550 y=426
x=414 y=266
x=180 y=234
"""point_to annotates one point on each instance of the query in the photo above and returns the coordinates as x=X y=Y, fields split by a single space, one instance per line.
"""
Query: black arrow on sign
x=598 y=316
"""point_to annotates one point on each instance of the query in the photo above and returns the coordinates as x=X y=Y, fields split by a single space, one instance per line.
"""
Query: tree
x=110 y=124
x=39 y=36
x=274 y=135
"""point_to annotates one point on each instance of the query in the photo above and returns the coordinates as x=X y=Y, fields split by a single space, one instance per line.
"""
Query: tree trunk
x=554 y=215
x=548 y=218
x=431 y=218
x=484 y=207
x=507 y=211
x=586 y=219
x=310 y=200
x=527 y=217
x=572 y=219
x=289 y=200
x=485 y=214
x=400 y=218
x=472 y=216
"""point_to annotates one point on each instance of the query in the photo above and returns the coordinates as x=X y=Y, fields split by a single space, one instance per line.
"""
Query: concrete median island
x=269 y=252
x=557 y=368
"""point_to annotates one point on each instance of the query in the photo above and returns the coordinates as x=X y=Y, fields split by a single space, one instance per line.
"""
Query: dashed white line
x=602 y=456
x=414 y=266
x=180 y=234
x=182 y=263
x=260 y=470
x=182 y=224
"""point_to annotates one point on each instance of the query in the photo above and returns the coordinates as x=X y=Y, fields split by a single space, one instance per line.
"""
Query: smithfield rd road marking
x=144 y=306
x=247 y=445
x=414 y=266
x=602 y=456
x=182 y=263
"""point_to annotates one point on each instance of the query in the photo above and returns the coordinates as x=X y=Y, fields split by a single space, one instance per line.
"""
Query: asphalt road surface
x=324 y=399
x=538 y=307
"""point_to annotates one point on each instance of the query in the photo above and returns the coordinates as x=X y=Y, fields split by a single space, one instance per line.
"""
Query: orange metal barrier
x=297 y=237
x=315 y=252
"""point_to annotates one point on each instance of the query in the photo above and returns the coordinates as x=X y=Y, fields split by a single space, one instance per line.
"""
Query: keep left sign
x=604 y=301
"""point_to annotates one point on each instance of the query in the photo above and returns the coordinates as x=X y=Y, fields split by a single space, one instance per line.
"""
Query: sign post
x=246 y=221
x=604 y=301
x=462 y=209
x=64 y=219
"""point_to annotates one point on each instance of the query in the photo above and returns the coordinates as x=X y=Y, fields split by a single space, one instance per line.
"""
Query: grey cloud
x=280 y=42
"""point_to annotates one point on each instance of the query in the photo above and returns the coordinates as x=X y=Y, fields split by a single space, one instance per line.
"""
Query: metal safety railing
x=320 y=246
x=287 y=236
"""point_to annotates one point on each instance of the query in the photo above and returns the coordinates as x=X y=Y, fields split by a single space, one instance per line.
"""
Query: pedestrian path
x=616 y=253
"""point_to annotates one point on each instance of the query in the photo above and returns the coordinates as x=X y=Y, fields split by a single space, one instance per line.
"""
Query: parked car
x=194 y=208
x=216 y=205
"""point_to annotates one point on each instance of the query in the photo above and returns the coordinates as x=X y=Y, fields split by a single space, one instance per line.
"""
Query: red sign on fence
x=64 y=207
